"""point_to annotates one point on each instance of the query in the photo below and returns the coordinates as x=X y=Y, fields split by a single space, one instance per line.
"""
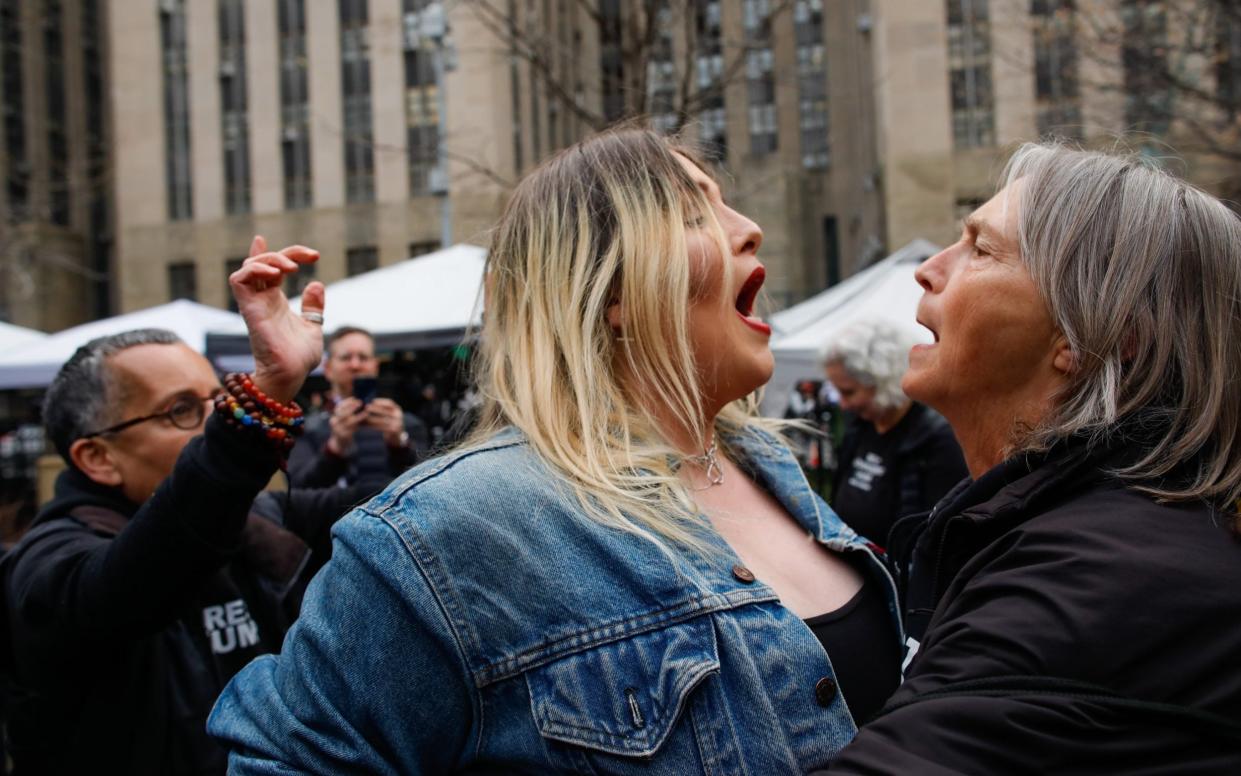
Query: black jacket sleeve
x=70 y=589
x=310 y=464
x=310 y=513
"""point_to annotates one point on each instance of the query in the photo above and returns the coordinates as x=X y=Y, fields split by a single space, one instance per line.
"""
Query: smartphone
x=365 y=388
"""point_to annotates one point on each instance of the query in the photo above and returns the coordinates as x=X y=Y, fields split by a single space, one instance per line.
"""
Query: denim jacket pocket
x=624 y=697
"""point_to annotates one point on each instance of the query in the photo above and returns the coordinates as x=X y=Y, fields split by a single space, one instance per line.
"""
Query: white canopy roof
x=438 y=291
x=426 y=301
x=885 y=290
x=11 y=336
x=34 y=364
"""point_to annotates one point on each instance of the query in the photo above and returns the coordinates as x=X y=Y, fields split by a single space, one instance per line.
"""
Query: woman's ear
x=616 y=318
x=94 y=458
x=1064 y=360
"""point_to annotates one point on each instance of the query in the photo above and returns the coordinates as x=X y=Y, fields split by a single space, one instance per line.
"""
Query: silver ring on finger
x=313 y=316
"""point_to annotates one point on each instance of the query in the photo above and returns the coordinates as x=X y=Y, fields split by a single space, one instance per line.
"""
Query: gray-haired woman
x=898 y=457
x=1074 y=608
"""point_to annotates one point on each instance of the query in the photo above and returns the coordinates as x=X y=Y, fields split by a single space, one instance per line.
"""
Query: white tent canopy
x=11 y=336
x=885 y=290
x=427 y=301
x=34 y=364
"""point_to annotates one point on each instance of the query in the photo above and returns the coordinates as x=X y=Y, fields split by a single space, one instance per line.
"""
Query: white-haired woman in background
x=898 y=457
x=614 y=575
x=1074 y=608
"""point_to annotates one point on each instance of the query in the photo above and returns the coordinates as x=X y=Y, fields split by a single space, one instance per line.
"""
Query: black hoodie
x=124 y=622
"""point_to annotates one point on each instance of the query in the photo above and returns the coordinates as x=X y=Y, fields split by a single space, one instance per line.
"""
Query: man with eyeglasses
x=151 y=578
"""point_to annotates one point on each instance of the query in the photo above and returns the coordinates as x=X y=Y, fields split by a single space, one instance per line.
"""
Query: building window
x=294 y=103
x=831 y=250
x=535 y=30
x=1055 y=68
x=422 y=113
x=182 y=281
x=964 y=206
x=514 y=77
x=612 y=60
x=969 y=73
x=661 y=76
x=295 y=282
x=355 y=84
x=1228 y=61
x=231 y=266
x=709 y=78
x=18 y=183
x=759 y=78
x=176 y=109
x=99 y=245
x=1144 y=59
x=811 y=84
x=359 y=260
x=423 y=248
x=233 y=107
x=57 y=138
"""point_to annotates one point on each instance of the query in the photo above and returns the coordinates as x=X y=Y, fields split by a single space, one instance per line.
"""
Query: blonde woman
x=614 y=575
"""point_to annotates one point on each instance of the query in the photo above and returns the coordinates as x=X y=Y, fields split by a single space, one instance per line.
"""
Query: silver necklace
x=711 y=463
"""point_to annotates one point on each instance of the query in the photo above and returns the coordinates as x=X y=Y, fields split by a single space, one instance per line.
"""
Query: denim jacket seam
x=507 y=668
x=455 y=623
x=441 y=465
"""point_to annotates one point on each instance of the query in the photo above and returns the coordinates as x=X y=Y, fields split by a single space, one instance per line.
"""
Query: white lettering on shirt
x=865 y=471
x=230 y=627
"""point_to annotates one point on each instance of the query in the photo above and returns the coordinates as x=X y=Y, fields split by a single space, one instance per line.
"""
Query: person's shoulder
x=47 y=541
x=474 y=479
x=1125 y=523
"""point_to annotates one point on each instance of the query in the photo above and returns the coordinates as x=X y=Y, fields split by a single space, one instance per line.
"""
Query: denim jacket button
x=743 y=574
x=825 y=691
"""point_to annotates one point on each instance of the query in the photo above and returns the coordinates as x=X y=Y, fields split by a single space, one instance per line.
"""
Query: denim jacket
x=473 y=621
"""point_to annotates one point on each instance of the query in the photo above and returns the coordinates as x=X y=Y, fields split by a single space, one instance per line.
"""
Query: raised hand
x=286 y=346
x=346 y=417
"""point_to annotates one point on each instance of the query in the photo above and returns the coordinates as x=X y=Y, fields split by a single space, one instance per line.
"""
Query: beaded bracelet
x=244 y=406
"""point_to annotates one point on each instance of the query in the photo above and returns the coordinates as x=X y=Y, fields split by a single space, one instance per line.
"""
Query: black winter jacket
x=124 y=623
x=1048 y=572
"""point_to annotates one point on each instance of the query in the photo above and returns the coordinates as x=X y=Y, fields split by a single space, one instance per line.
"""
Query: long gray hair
x=1142 y=273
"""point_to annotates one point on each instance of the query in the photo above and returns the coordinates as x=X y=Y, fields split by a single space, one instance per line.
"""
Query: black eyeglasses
x=186 y=412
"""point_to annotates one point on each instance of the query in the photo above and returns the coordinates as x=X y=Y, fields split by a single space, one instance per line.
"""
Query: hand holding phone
x=365 y=389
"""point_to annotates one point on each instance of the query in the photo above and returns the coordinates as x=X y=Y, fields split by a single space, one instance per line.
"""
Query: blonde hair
x=601 y=223
x=1142 y=274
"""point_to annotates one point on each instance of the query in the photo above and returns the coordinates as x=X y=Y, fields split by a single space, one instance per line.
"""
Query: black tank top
x=862 y=644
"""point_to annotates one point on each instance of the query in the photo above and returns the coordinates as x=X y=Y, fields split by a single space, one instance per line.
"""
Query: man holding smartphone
x=358 y=436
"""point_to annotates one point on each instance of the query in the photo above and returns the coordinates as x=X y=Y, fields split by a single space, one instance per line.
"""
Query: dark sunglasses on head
x=186 y=412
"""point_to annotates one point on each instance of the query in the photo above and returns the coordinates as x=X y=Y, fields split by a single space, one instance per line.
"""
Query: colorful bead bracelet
x=245 y=407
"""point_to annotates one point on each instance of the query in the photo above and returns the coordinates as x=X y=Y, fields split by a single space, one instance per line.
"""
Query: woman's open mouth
x=747 y=296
